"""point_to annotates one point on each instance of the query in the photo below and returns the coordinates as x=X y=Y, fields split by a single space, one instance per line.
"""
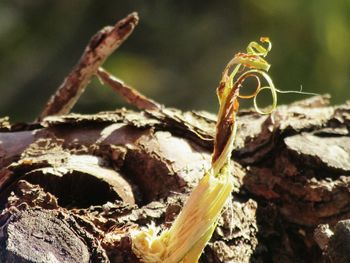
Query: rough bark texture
x=73 y=186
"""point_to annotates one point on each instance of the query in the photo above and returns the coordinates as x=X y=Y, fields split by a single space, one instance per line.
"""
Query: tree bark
x=72 y=187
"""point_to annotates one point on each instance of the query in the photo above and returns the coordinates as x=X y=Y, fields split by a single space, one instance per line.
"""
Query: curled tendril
x=258 y=74
x=241 y=80
x=257 y=49
x=242 y=66
x=252 y=65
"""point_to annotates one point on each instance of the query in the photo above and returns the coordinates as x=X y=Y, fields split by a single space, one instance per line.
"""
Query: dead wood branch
x=131 y=95
x=101 y=45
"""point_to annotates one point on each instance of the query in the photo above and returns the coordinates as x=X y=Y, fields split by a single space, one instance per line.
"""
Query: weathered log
x=99 y=176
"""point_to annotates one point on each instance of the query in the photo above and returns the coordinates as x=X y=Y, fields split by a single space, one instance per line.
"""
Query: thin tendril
x=258 y=74
x=240 y=81
x=251 y=64
x=297 y=92
x=240 y=67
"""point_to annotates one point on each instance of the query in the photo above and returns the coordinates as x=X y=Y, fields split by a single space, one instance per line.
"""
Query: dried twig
x=131 y=95
x=102 y=44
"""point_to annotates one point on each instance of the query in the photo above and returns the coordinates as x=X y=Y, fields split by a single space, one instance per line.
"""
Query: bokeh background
x=177 y=52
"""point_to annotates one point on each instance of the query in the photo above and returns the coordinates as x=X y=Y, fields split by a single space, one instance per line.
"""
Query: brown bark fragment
x=39 y=236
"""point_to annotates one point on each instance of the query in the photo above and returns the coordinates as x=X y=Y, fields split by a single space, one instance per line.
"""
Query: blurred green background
x=177 y=52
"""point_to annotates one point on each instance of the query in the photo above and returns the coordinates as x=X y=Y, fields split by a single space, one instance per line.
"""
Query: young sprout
x=194 y=226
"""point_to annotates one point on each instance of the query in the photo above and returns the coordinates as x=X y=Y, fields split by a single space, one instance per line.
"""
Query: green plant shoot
x=194 y=226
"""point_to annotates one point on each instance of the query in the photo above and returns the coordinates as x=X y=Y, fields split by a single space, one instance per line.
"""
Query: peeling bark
x=90 y=179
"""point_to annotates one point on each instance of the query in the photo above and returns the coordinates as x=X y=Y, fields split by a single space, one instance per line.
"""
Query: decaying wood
x=131 y=95
x=102 y=44
x=73 y=186
x=114 y=171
